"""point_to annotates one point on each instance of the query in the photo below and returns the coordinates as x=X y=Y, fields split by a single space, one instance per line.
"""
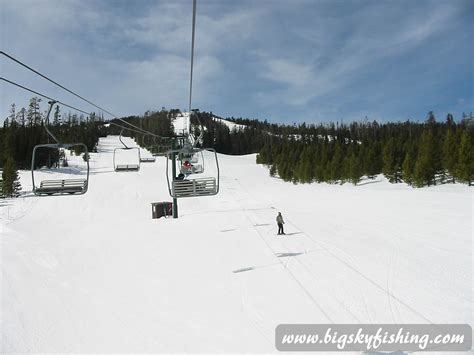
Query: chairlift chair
x=146 y=159
x=126 y=167
x=58 y=186
x=192 y=186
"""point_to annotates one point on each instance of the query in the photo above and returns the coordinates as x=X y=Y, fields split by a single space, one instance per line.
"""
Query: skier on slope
x=280 y=223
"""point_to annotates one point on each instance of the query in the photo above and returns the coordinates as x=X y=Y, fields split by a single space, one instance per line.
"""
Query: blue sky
x=280 y=60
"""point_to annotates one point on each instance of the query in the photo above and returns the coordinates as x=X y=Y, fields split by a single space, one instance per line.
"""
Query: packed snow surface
x=94 y=272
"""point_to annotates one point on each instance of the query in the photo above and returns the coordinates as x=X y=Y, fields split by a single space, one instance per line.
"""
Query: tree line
x=420 y=154
x=417 y=153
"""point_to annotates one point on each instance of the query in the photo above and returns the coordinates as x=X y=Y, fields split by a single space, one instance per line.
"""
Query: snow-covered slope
x=231 y=125
x=95 y=273
x=181 y=123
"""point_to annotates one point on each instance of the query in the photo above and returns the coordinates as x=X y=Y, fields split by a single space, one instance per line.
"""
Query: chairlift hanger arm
x=46 y=121
x=121 y=141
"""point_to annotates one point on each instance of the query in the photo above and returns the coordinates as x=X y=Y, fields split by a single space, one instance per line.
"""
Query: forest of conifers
x=419 y=153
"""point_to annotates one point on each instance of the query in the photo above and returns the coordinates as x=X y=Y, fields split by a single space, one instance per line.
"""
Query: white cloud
x=339 y=61
x=287 y=56
x=288 y=72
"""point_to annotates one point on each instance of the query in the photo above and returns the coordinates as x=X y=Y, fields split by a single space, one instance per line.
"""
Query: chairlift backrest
x=126 y=167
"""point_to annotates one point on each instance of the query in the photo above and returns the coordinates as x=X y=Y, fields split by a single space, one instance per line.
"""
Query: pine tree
x=1 y=186
x=372 y=160
x=273 y=170
x=354 y=172
x=321 y=162
x=424 y=172
x=11 y=181
x=304 y=170
x=408 y=166
x=390 y=161
x=450 y=153
x=336 y=167
x=465 y=165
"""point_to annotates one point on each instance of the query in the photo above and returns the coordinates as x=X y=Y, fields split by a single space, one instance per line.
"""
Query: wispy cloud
x=312 y=60
x=343 y=59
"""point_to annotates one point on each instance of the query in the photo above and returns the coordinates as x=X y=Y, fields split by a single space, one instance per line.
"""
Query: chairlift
x=59 y=186
x=126 y=167
x=146 y=159
x=188 y=185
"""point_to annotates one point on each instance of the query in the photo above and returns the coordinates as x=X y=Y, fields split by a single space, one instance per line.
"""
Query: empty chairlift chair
x=121 y=167
x=188 y=185
x=64 y=185
x=144 y=159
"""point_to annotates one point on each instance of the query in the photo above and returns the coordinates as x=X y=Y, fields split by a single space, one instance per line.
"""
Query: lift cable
x=44 y=96
x=196 y=140
x=69 y=106
x=75 y=94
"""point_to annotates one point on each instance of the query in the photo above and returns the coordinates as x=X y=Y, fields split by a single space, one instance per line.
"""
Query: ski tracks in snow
x=298 y=252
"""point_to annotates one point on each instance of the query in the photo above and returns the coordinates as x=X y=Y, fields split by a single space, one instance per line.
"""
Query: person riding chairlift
x=187 y=166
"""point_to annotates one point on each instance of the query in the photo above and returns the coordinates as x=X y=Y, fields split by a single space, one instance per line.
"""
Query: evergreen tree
x=391 y=161
x=424 y=172
x=354 y=172
x=408 y=166
x=273 y=170
x=304 y=170
x=337 y=167
x=372 y=160
x=450 y=153
x=465 y=165
x=11 y=186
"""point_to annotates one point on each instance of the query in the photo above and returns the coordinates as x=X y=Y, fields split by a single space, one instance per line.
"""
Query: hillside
x=95 y=273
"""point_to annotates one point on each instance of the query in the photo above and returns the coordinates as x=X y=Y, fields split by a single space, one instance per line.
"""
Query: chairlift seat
x=147 y=160
x=196 y=187
x=127 y=167
x=65 y=186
